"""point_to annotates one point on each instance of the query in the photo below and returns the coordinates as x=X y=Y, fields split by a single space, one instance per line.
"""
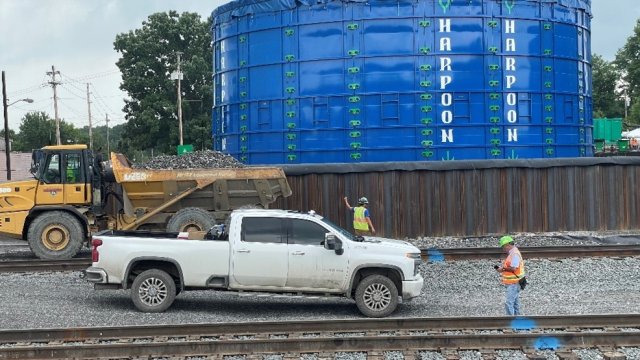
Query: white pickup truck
x=273 y=251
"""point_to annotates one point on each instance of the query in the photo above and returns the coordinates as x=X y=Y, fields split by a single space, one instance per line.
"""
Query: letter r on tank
x=445 y=64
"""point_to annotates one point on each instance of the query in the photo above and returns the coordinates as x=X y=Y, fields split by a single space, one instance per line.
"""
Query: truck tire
x=153 y=291
x=55 y=235
x=191 y=219
x=376 y=296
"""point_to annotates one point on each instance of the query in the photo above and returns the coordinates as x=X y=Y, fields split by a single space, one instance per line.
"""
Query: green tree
x=37 y=129
x=628 y=61
x=606 y=101
x=148 y=57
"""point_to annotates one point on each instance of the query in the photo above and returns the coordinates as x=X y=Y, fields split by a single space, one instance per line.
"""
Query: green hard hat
x=505 y=240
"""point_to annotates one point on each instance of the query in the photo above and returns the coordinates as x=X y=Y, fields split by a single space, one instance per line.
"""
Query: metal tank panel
x=350 y=81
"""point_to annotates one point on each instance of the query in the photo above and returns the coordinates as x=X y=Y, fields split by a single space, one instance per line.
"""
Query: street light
x=7 y=145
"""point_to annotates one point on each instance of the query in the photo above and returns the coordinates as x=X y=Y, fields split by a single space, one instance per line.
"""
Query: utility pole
x=108 y=145
x=178 y=76
x=7 y=144
x=89 y=110
x=55 y=83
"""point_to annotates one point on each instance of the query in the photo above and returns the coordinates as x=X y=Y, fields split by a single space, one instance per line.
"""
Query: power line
x=30 y=89
x=84 y=78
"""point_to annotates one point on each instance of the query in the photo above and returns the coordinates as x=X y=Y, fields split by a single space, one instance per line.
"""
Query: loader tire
x=55 y=235
x=191 y=219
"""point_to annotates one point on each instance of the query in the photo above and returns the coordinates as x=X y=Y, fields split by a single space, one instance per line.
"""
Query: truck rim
x=377 y=297
x=152 y=291
x=55 y=237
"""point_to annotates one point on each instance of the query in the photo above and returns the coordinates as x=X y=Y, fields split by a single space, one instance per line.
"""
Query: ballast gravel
x=206 y=159
x=461 y=288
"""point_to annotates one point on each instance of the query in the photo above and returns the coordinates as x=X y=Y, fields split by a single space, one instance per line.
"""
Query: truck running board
x=325 y=296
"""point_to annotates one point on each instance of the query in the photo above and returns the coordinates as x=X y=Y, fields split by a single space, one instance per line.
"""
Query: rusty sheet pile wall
x=475 y=198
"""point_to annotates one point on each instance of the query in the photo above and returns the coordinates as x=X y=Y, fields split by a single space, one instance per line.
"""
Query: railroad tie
x=567 y=355
x=487 y=354
x=614 y=355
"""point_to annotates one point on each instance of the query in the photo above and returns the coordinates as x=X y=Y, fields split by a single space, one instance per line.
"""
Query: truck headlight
x=414 y=256
x=417 y=260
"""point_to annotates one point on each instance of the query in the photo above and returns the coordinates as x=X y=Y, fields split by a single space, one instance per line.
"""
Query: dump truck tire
x=55 y=235
x=191 y=219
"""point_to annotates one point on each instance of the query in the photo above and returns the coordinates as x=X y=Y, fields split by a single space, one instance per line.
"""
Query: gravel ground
x=463 y=288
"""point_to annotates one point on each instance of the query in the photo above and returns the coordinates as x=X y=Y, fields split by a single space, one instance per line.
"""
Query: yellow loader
x=73 y=194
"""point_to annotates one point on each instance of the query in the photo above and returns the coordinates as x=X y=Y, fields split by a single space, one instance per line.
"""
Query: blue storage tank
x=398 y=80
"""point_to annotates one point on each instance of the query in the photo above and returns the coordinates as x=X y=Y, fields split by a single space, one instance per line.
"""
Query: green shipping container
x=608 y=130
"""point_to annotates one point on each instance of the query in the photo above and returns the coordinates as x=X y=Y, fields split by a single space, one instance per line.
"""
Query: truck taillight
x=95 y=255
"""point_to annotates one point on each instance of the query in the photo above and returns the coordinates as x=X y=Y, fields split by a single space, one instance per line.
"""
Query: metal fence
x=475 y=197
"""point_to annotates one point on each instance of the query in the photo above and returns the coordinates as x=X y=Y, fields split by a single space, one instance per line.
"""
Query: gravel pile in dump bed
x=206 y=159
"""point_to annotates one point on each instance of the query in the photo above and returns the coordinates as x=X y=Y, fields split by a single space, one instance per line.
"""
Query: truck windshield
x=337 y=228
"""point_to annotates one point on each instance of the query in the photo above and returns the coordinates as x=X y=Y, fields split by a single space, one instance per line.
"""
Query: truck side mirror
x=331 y=242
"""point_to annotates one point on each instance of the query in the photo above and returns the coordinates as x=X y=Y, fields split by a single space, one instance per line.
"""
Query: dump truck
x=74 y=194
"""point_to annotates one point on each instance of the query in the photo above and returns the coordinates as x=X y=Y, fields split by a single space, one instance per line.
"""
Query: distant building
x=20 y=165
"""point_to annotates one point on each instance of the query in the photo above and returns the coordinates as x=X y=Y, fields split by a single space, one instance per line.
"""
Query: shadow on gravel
x=245 y=308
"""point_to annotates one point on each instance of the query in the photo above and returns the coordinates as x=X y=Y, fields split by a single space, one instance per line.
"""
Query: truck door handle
x=244 y=251
x=297 y=253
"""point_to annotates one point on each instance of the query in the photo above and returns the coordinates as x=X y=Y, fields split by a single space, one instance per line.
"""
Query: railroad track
x=546 y=252
x=44 y=265
x=430 y=255
x=557 y=333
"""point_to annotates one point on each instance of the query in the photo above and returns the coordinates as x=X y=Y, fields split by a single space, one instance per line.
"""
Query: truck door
x=50 y=189
x=310 y=264
x=259 y=259
x=74 y=179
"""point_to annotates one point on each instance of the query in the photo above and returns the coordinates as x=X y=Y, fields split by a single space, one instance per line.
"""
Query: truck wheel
x=191 y=219
x=55 y=235
x=153 y=291
x=376 y=296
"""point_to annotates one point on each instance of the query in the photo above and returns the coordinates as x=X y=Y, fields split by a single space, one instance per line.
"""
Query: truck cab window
x=51 y=174
x=305 y=232
x=262 y=229
x=73 y=175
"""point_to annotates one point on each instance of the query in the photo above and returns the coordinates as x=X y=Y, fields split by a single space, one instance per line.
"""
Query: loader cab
x=63 y=174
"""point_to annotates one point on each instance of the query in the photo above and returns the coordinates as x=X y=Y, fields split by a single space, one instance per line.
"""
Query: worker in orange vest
x=361 y=217
x=512 y=274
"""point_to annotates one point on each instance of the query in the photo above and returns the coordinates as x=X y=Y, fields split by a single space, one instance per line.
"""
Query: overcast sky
x=77 y=37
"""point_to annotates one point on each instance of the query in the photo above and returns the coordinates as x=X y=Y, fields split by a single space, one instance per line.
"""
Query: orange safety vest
x=509 y=278
x=359 y=220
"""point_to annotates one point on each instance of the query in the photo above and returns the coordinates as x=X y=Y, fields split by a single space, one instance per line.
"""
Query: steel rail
x=44 y=265
x=325 y=344
x=549 y=252
x=323 y=326
x=432 y=255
